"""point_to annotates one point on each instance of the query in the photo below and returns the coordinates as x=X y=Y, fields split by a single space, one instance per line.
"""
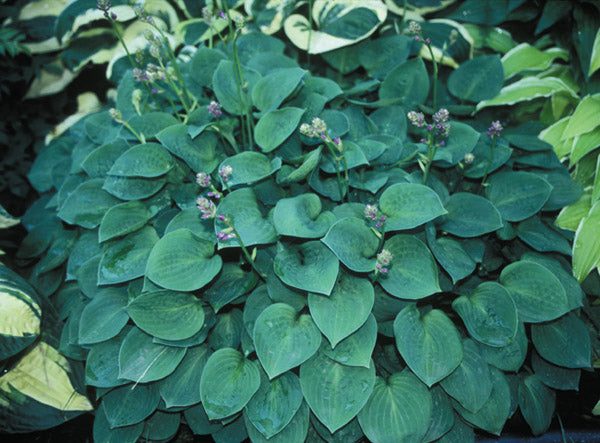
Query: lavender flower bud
x=225 y=172
x=495 y=129
x=214 y=108
x=441 y=116
x=416 y=118
x=384 y=258
x=414 y=28
x=307 y=130
x=206 y=207
x=222 y=15
x=371 y=212
x=116 y=115
x=203 y=179
x=319 y=125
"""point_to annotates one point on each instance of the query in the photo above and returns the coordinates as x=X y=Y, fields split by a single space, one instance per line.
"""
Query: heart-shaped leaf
x=429 y=343
x=408 y=205
x=470 y=215
x=249 y=167
x=301 y=216
x=345 y=310
x=354 y=243
x=489 y=314
x=348 y=388
x=564 y=342
x=309 y=266
x=538 y=294
x=357 y=348
x=228 y=383
x=180 y=261
x=412 y=273
x=284 y=339
x=167 y=315
x=398 y=409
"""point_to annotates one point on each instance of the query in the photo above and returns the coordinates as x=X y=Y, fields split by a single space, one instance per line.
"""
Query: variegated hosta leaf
x=339 y=23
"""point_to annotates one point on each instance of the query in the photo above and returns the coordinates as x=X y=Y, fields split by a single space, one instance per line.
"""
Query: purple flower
x=206 y=207
x=319 y=125
x=414 y=28
x=222 y=15
x=203 y=179
x=225 y=172
x=441 y=116
x=416 y=118
x=104 y=5
x=140 y=75
x=495 y=129
x=214 y=108
x=384 y=258
x=371 y=212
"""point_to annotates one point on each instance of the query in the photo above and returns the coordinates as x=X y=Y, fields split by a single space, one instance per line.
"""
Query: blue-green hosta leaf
x=338 y=24
x=564 y=342
x=161 y=425
x=142 y=360
x=144 y=160
x=460 y=432
x=256 y=302
x=357 y=348
x=537 y=403
x=124 y=434
x=198 y=154
x=454 y=259
x=275 y=403
x=407 y=83
x=556 y=377
x=241 y=206
x=276 y=126
x=489 y=313
x=228 y=383
x=249 y=167
x=354 y=243
x=442 y=415
x=509 y=357
x=309 y=266
x=233 y=282
x=101 y=159
x=289 y=175
x=348 y=388
x=191 y=218
x=295 y=432
x=104 y=316
x=122 y=219
x=412 y=273
x=271 y=90
x=151 y=123
x=284 y=339
x=470 y=384
x=353 y=154
x=166 y=314
x=279 y=292
x=542 y=237
x=198 y=421
x=86 y=205
x=538 y=294
x=380 y=56
x=462 y=140
x=228 y=329
x=102 y=362
x=182 y=386
x=228 y=90
x=408 y=205
x=518 y=194
x=128 y=405
x=132 y=188
x=125 y=258
x=477 y=79
x=301 y=216
x=345 y=310
x=429 y=343
x=180 y=261
x=572 y=288
x=494 y=413
x=470 y=215
x=483 y=152
x=399 y=409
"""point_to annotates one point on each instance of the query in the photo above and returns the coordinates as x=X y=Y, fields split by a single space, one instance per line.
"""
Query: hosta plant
x=247 y=246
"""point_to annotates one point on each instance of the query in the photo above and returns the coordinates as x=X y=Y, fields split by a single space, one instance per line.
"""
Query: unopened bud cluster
x=105 y=5
x=208 y=209
x=384 y=258
x=439 y=128
x=214 y=109
x=495 y=129
x=318 y=128
x=372 y=213
x=415 y=29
